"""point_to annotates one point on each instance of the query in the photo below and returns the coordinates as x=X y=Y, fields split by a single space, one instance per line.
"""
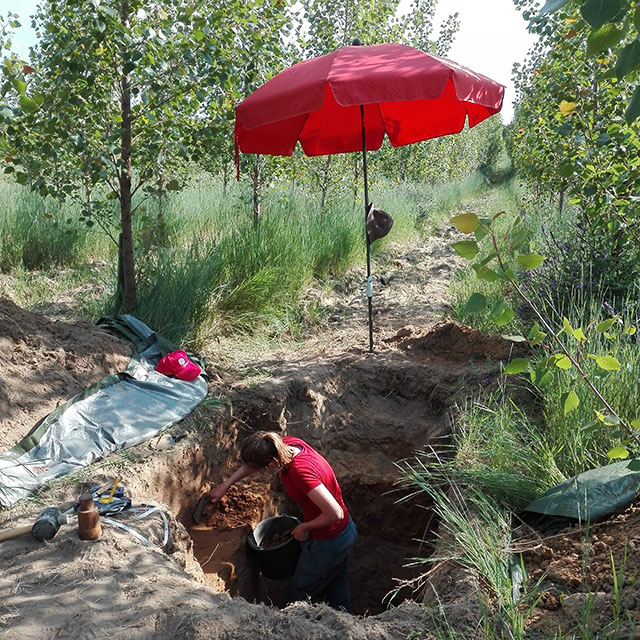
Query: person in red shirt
x=327 y=532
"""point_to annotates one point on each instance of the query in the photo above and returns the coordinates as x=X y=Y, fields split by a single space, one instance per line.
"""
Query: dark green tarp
x=591 y=495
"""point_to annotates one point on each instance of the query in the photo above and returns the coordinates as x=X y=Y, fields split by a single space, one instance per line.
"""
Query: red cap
x=178 y=364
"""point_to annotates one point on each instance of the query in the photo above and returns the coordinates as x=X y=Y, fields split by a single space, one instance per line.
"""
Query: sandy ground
x=363 y=411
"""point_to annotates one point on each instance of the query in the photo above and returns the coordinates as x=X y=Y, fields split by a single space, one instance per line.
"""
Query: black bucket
x=277 y=561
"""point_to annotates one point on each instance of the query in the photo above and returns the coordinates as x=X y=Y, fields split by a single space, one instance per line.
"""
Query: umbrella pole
x=366 y=202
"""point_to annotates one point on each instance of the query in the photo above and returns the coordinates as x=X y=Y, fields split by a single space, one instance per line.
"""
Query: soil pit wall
x=363 y=415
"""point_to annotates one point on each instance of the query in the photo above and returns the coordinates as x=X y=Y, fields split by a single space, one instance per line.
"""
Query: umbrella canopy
x=407 y=94
x=349 y=99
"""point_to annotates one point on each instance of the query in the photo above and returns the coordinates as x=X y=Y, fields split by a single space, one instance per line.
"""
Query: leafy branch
x=507 y=245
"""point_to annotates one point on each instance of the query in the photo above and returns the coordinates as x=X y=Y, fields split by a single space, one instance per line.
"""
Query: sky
x=491 y=38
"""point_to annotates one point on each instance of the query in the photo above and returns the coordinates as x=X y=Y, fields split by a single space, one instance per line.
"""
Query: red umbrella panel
x=346 y=101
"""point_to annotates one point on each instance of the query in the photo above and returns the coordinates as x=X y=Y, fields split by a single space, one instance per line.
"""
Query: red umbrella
x=347 y=100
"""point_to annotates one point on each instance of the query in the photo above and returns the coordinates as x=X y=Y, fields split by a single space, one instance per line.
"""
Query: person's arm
x=331 y=512
x=241 y=472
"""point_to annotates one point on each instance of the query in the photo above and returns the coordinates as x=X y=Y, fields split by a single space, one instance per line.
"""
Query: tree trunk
x=160 y=195
x=255 y=178
x=126 y=246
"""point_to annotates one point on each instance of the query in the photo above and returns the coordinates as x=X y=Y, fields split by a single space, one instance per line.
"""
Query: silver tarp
x=130 y=410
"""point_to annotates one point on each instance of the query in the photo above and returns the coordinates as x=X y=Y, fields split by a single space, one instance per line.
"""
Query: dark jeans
x=321 y=573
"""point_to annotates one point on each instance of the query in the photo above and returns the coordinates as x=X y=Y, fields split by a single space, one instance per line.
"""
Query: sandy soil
x=363 y=411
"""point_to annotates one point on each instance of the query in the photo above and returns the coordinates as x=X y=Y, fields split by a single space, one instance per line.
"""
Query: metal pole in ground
x=366 y=202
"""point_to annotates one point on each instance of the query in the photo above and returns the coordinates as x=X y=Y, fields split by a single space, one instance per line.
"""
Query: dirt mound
x=450 y=342
x=44 y=362
x=117 y=587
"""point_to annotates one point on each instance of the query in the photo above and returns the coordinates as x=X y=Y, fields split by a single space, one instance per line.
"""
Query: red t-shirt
x=305 y=472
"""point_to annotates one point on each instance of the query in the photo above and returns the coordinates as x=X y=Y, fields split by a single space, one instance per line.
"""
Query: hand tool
x=45 y=527
x=198 y=511
x=109 y=498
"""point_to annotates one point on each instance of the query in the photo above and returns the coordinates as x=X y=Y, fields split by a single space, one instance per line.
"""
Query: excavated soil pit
x=388 y=534
x=364 y=414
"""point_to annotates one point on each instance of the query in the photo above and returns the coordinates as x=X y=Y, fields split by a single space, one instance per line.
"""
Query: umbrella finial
x=356 y=42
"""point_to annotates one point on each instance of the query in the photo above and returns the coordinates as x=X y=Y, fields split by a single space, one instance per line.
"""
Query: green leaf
x=109 y=11
x=610 y=420
x=633 y=108
x=599 y=12
x=484 y=273
x=173 y=185
x=468 y=249
x=562 y=362
x=498 y=309
x=550 y=6
x=565 y=169
x=483 y=229
x=531 y=261
x=534 y=331
x=538 y=339
x=591 y=427
x=541 y=377
x=566 y=327
x=608 y=363
x=477 y=302
x=505 y=317
x=604 y=38
x=514 y=338
x=569 y=401
x=578 y=334
x=634 y=465
x=518 y=365
x=605 y=325
x=618 y=453
x=628 y=59
x=636 y=423
x=28 y=105
x=465 y=222
x=19 y=85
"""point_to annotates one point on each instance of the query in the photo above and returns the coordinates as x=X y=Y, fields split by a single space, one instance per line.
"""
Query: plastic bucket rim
x=251 y=540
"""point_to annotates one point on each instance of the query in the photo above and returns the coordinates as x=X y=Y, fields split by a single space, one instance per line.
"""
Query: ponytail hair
x=262 y=448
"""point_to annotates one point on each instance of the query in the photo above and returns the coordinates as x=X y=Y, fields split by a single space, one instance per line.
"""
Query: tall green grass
x=587 y=302
x=203 y=268
x=225 y=275
x=38 y=234
x=238 y=278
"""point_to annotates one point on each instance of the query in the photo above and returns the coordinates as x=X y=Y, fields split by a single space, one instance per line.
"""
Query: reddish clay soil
x=584 y=574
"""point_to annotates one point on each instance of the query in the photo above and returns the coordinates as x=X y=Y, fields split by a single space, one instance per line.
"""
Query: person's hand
x=215 y=495
x=300 y=533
